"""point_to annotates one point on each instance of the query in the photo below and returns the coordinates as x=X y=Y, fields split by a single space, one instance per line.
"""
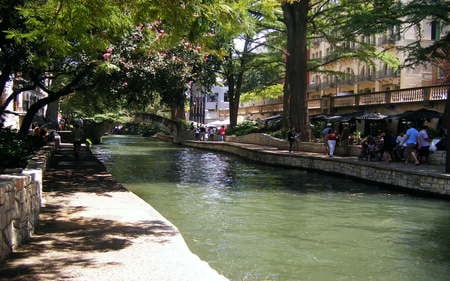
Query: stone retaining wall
x=436 y=158
x=20 y=201
x=268 y=140
x=414 y=180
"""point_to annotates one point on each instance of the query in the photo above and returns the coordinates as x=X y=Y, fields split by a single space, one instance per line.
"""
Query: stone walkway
x=92 y=228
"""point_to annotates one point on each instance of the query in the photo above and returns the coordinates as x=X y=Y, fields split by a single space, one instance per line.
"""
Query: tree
x=68 y=49
x=256 y=62
x=295 y=85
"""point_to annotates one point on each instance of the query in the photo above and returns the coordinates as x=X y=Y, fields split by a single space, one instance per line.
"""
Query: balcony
x=434 y=93
x=331 y=103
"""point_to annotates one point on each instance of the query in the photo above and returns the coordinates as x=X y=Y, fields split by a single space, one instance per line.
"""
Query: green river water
x=258 y=222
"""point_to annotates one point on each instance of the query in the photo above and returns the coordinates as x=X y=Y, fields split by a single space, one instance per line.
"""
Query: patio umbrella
x=372 y=116
x=319 y=117
x=416 y=115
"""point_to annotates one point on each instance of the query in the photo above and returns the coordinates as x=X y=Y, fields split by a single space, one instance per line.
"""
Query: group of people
x=207 y=133
x=411 y=146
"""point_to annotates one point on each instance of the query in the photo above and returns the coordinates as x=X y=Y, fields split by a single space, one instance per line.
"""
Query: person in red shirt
x=331 y=139
x=222 y=133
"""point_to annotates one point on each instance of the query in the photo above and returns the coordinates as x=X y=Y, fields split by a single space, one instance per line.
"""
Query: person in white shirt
x=423 y=142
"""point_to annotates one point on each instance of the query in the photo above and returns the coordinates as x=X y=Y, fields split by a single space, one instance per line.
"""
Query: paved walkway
x=93 y=229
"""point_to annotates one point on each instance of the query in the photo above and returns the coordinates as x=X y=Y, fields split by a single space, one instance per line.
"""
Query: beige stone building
x=356 y=77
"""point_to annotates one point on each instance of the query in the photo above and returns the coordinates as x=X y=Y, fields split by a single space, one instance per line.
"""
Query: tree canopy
x=65 y=41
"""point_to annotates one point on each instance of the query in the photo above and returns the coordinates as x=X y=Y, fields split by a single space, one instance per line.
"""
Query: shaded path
x=92 y=228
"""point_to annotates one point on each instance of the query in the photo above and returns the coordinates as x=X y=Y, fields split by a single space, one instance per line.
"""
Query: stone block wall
x=434 y=183
x=437 y=158
x=268 y=140
x=260 y=139
x=20 y=202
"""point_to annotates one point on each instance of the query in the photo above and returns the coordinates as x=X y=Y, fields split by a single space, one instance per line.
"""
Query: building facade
x=206 y=106
x=17 y=108
x=350 y=85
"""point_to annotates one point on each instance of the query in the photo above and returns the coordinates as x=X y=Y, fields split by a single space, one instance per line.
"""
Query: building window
x=225 y=97
x=435 y=31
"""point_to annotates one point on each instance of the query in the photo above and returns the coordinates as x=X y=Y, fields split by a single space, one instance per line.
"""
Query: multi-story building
x=206 y=105
x=356 y=77
x=17 y=109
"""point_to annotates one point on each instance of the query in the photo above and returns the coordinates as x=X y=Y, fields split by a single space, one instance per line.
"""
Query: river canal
x=257 y=222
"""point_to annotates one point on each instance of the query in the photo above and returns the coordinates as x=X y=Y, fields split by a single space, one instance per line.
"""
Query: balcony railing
x=351 y=80
x=422 y=94
x=433 y=93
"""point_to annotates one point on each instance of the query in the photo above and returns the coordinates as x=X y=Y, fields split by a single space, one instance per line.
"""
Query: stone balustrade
x=20 y=201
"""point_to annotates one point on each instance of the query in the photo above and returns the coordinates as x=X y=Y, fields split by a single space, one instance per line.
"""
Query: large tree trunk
x=233 y=98
x=177 y=110
x=295 y=96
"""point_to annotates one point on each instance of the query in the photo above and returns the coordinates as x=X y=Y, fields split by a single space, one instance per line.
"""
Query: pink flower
x=106 y=56
x=125 y=84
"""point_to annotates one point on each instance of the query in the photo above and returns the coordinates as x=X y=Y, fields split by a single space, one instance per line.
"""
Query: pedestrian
x=400 y=146
x=325 y=132
x=331 y=141
x=411 y=144
x=423 y=142
x=291 y=139
x=210 y=133
x=388 y=144
x=197 y=133
x=202 y=132
x=222 y=133
x=77 y=134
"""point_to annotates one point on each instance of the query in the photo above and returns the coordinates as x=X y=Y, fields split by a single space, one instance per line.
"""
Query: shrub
x=16 y=149
x=244 y=128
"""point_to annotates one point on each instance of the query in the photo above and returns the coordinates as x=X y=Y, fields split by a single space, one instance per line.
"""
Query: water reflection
x=257 y=222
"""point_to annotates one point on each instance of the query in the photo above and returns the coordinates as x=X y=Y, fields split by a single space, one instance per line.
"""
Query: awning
x=319 y=117
x=372 y=116
x=417 y=115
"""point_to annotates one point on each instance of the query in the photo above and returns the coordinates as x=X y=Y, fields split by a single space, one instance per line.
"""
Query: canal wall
x=435 y=158
x=20 y=201
x=427 y=178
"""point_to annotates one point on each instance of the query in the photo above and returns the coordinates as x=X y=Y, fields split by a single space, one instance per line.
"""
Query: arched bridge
x=174 y=127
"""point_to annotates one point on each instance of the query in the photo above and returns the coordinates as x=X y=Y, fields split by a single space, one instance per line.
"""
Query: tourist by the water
x=387 y=142
x=291 y=139
x=222 y=133
x=325 y=132
x=197 y=133
x=423 y=142
x=400 y=146
x=411 y=143
x=331 y=140
x=203 y=133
